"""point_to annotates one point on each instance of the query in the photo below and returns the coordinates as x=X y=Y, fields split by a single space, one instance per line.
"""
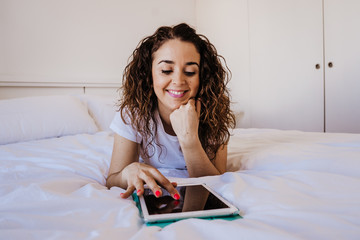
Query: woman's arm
x=124 y=153
x=199 y=164
x=185 y=122
x=126 y=172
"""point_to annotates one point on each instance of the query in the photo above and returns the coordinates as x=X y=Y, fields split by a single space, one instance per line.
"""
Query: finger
x=139 y=186
x=152 y=184
x=172 y=190
x=191 y=105
x=165 y=183
x=128 y=192
x=191 y=101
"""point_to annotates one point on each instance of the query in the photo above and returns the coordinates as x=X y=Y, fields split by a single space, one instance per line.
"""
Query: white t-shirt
x=168 y=156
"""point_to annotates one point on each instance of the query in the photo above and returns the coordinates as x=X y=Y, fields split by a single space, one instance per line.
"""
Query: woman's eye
x=189 y=74
x=166 y=71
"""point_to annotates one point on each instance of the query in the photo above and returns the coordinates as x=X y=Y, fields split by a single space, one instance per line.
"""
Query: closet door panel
x=285 y=46
x=342 y=80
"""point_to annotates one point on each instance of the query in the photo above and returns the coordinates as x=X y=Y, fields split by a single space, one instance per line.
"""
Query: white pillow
x=24 y=119
x=101 y=108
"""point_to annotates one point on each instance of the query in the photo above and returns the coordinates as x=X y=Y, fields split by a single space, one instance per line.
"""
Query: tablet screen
x=193 y=198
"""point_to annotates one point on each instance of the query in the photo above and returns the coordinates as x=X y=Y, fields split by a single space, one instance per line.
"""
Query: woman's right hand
x=137 y=174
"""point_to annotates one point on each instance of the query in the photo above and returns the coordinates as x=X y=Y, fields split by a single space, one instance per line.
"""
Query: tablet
x=196 y=201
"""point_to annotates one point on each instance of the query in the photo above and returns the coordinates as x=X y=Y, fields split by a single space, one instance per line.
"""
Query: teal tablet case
x=164 y=224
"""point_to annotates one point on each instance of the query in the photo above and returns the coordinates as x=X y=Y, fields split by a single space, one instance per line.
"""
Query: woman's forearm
x=197 y=162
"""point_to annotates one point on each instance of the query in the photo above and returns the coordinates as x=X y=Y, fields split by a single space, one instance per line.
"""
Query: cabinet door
x=342 y=80
x=286 y=43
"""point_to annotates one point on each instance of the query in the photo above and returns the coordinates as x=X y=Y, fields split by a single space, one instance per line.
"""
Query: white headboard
x=11 y=89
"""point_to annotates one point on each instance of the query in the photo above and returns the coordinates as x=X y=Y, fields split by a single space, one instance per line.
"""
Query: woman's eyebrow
x=172 y=62
x=192 y=63
x=166 y=61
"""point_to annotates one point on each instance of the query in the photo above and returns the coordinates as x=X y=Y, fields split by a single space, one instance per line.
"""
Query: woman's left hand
x=185 y=122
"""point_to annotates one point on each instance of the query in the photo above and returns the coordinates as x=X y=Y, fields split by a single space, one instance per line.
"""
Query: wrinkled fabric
x=287 y=185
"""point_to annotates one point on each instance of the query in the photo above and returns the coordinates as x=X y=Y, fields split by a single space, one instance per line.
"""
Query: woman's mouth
x=176 y=93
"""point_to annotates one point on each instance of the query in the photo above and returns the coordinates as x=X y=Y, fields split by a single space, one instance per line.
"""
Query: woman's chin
x=172 y=105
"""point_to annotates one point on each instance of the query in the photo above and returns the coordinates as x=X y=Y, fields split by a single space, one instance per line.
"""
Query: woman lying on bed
x=174 y=112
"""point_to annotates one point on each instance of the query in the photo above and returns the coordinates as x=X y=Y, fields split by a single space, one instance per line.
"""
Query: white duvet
x=287 y=184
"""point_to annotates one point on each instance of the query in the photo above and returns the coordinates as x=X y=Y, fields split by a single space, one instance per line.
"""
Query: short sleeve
x=123 y=129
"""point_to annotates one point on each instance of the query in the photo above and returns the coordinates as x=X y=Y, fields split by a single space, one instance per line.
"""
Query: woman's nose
x=179 y=78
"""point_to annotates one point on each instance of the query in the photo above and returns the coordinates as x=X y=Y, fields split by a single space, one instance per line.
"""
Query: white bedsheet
x=287 y=184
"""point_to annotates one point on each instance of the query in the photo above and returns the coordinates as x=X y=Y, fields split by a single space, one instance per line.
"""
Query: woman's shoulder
x=130 y=119
x=122 y=125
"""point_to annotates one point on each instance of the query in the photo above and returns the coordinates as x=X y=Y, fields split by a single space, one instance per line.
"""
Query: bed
x=55 y=153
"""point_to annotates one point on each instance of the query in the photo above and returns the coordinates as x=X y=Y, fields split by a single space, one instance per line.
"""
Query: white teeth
x=176 y=92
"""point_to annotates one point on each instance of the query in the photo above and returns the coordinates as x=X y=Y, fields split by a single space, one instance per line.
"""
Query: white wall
x=2 y=45
x=89 y=41
x=79 y=40
x=225 y=23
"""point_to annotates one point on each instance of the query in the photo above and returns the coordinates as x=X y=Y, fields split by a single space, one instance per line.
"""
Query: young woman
x=174 y=112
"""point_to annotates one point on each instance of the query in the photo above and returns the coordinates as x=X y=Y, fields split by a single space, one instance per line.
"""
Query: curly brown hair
x=139 y=101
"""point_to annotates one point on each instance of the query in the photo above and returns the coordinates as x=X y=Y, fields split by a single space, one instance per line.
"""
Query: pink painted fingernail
x=121 y=194
x=157 y=193
x=138 y=190
x=177 y=196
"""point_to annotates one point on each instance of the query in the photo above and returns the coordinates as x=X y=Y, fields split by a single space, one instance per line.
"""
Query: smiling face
x=175 y=72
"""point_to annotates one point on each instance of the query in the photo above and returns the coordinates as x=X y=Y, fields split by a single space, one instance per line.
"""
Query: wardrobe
x=304 y=64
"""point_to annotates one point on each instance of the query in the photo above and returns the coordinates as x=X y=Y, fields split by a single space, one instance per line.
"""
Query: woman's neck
x=165 y=119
